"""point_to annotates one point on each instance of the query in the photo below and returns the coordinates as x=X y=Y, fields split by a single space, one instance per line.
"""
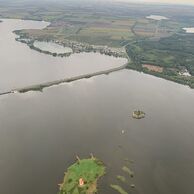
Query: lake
x=157 y=17
x=41 y=133
x=189 y=30
x=52 y=47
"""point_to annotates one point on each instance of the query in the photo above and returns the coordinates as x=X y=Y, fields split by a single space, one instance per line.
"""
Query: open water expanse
x=41 y=133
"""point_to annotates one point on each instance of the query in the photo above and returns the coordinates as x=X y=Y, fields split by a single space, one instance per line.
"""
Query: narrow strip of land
x=4 y=93
x=40 y=87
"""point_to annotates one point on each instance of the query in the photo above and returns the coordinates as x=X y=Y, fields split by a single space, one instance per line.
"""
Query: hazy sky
x=162 y=1
x=190 y=2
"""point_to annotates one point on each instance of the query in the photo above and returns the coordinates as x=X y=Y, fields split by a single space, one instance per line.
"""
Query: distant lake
x=157 y=17
x=52 y=47
x=42 y=132
x=189 y=30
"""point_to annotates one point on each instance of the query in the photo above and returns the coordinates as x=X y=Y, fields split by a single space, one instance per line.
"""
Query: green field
x=175 y=54
x=113 y=25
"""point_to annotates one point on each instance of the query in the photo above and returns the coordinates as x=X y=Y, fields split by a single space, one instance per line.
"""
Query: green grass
x=173 y=54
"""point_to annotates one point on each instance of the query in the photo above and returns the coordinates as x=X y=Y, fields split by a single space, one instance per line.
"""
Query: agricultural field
x=110 y=32
x=113 y=25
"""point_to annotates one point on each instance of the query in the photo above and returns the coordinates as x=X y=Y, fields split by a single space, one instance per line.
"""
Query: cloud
x=162 y=1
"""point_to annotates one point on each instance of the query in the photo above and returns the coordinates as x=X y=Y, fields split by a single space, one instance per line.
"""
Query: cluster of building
x=78 y=47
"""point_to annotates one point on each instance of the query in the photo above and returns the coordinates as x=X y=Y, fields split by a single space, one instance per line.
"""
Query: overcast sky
x=162 y=1
x=190 y=2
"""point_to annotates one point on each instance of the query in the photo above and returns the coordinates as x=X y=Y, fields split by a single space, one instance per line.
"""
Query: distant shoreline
x=85 y=47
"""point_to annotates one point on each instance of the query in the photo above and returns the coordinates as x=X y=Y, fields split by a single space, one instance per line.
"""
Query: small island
x=82 y=176
x=138 y=114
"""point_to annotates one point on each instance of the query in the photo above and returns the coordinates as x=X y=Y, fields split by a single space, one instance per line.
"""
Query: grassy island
x=82 y=177
x=138 y=114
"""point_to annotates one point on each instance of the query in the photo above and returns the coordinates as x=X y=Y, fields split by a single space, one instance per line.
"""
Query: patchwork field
x=113 y=25
x=153 y=68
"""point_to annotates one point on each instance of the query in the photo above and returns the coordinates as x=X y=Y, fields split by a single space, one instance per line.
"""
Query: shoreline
x=77 y=47
x=162 y=76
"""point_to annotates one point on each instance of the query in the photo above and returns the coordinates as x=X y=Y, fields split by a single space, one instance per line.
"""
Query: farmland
x=113 y=25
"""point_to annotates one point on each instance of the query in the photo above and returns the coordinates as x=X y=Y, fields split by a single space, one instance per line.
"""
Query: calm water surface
x=40 y=133
x=157 y=17
x=52 y=47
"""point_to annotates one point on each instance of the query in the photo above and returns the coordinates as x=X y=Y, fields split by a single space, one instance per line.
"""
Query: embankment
x=40 y=87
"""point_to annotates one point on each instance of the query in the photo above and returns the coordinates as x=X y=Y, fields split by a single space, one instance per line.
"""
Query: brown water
x=40 y=134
